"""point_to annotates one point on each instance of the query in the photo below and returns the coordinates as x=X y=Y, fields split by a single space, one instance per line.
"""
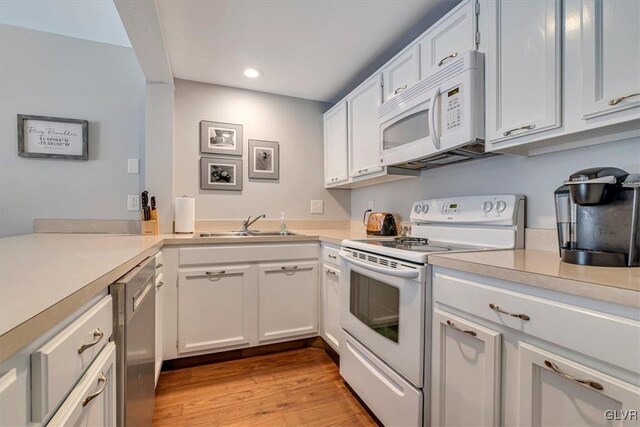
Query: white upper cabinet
x=523 y=66
x=336 y=168
x=558 y=391
x=363 y=104
x=402 y=72
x=450 y=37
x=610 y=56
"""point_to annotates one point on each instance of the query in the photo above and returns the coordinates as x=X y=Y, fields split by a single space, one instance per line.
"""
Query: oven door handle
x=406 y=274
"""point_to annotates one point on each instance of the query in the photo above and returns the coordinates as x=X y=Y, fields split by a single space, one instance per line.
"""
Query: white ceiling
x=96 y=20
x=312 y=49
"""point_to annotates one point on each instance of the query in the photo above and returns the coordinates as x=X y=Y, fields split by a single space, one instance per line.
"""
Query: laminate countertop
x=544 y=269
x=46 y=277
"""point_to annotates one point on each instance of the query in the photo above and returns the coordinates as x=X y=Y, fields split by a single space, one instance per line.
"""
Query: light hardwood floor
x=294 y=388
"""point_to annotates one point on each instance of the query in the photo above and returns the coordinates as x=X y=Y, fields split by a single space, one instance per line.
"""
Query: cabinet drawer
x=93 y=401
x=331 y=256
x=57 y=365
x=589 y=332
x=207 y=255
x=159 y=262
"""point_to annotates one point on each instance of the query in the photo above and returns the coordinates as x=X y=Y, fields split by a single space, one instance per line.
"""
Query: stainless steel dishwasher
x=134 y=330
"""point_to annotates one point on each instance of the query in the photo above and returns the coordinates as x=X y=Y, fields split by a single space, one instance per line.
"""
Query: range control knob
x=487 y=206
x=501 y=206
x=425 y=208
x=416 y=209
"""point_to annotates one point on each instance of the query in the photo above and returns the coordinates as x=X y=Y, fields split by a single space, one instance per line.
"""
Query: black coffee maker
x=597 y=213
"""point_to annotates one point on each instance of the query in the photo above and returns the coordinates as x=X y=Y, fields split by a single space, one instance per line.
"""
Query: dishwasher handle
x=141 y=295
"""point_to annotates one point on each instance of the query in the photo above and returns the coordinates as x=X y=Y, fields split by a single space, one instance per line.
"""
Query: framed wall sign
x=264 y=159
x=220 y=173
x=53 y=137
x=220 y=138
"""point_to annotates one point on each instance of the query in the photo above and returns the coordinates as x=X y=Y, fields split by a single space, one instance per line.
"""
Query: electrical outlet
x=133 y=166
x=371 y=205
x=133 y=202
x=317 y=207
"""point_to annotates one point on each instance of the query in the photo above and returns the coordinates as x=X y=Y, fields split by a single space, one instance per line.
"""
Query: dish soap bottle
x=283 y=224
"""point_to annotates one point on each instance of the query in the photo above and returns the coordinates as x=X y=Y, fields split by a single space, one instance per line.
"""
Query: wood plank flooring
x=294 y=388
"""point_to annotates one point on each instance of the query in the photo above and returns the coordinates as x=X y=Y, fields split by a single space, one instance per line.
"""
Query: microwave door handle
x=432 y=117
x=406 y=274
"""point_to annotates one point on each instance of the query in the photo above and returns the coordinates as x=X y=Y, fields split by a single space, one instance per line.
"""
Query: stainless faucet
x=249 y=222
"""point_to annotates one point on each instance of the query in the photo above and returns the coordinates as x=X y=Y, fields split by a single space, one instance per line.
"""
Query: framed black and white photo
x=53 y=137
x=220 y=173
x=220 y=138
x=264 y=159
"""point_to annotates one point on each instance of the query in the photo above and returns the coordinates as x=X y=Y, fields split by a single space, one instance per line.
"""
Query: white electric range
x=385 y=297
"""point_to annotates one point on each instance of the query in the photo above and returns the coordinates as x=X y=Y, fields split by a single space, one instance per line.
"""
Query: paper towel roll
x=185 y=219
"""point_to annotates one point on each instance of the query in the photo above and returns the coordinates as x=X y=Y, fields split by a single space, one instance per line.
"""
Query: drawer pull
x=102 y=380
x=332 y=256
x=160 y=284
x=333 y=273
x=97 y=334
x=159 y=265
x=443 y=60
x=400 y=89
x=557 y=370
x=527 y=127
x=453 y=325
x=615 y=101
x=215 y=273
x=363 y=170
x=292 y=268
x=499 y=310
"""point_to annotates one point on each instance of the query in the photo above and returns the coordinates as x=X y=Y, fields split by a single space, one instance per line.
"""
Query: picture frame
x=220 y=173
x=220 y=138
x=46 y=137
x=264 y=159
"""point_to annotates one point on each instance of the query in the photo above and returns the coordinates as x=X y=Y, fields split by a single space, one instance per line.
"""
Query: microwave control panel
x=453 y=107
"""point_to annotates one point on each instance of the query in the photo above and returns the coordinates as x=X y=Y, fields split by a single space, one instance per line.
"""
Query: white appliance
x=439 y=120
x=385 y=297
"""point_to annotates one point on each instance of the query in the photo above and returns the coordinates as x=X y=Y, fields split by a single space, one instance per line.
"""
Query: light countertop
x=544 y=269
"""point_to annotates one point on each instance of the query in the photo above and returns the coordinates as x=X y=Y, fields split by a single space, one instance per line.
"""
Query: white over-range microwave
x=439 y=120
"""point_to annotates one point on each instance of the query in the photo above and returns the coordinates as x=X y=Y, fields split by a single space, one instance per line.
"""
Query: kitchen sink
x=246 y=234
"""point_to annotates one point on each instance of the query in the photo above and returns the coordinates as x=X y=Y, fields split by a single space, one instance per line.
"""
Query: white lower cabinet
x=93 y=400
x=465 y=372
x=331 y=330
x=216 y=307
x=159 y=316
x=287 y=300
x=558 y=391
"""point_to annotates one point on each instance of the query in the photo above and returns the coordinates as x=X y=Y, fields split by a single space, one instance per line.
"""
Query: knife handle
x=153 y=203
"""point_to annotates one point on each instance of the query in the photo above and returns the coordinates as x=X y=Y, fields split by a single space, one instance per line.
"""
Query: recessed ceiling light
x=252 y=73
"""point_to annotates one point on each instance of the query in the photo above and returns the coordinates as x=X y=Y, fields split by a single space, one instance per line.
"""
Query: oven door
x=382 y=305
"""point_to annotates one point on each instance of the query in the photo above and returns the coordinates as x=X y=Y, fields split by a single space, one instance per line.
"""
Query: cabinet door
x=523 y=79
x=559 y=391
x=451 y=36
x=401 y=73
x=331 y=330
x=364 y=142
x=287 y=300
x=465 y=373
x=215 y=307
x=335 y=145
x=610 y=56
x=92 y=402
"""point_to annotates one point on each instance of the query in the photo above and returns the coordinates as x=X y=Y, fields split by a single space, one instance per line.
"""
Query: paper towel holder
x=182 y=228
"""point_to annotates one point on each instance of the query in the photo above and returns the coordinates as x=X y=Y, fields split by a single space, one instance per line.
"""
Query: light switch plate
x=133 y=166
x=317 y=207
x=133 y=202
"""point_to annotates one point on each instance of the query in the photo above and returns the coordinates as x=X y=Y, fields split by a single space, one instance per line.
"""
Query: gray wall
x=295 y=123
x=536 y=177
x=52 y=75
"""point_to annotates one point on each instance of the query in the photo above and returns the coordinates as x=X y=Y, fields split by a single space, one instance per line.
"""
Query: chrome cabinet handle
x=400 y=89
x=453 y=325
x=97 y=334
x=527 y=127
x=159 y=265
x=332 y=256
x=362 y=170
x=102 y=380
x=592 y=384
x=499 y=310
x=292 y=268
x=160 y=284
x=215 y=273
x=615 y=101
x=333 y=273
x=442 y=61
